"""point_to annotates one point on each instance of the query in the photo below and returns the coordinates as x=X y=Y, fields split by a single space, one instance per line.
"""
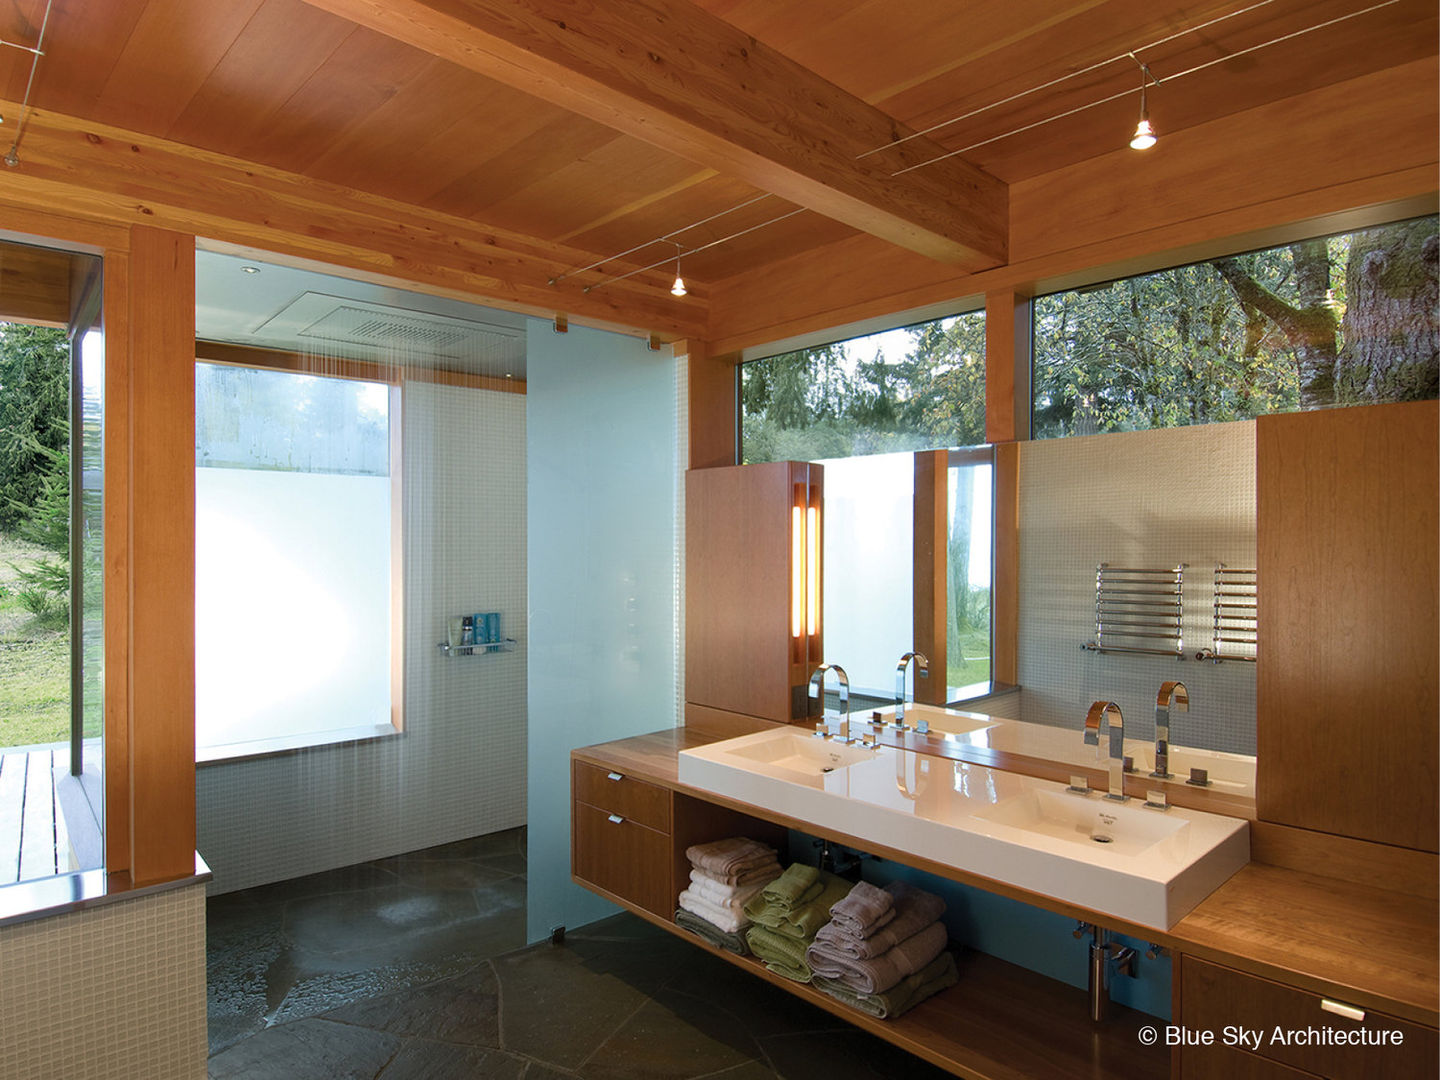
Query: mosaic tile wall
x=1150 y=499
x=110 y=993
x=459 y=769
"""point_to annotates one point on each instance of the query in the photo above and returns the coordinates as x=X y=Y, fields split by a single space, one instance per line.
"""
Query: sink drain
x=1101 y=839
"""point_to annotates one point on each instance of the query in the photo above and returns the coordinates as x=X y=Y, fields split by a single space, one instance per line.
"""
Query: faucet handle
x=822 y=731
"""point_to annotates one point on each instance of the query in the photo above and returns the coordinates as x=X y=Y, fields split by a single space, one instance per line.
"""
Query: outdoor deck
x=35 y=840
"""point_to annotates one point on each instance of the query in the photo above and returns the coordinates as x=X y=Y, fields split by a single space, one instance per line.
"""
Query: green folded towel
x=901 y=997
x=710 y=932
x=792 y=887
x=782 y=954
x=810 y=910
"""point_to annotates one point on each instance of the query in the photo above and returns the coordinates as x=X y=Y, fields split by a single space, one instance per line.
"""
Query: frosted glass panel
x=601 y=450
x=292 y=596
x=869 y=567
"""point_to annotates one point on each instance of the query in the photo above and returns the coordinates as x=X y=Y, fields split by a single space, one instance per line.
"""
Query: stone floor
x=409 y=968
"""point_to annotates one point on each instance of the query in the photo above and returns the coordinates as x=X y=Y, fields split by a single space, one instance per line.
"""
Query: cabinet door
x=1346 y=701
x=741 y=652
x=623 y=858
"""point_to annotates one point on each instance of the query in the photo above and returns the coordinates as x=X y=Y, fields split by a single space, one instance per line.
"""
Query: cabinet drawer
x=648 y=804
x=622 y=857
x=1293 y=1028
x=1227 y=1063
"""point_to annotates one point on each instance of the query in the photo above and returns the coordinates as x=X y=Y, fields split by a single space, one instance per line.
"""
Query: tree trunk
x=1391 y=328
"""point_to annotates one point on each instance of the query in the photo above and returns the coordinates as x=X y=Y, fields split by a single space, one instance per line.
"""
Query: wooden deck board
x=37 y=827
x=12 y=807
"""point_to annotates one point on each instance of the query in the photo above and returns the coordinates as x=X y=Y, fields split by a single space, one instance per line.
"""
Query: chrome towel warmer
x=1138 y=610
x=1235 y=634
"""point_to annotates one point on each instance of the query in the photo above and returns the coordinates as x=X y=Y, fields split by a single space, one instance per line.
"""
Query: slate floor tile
x=313 y=1049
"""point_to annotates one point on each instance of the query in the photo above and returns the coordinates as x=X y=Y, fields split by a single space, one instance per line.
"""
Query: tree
x=34 y=412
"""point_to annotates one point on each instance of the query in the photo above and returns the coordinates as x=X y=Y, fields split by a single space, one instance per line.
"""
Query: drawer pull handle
x=616 y=819
x=1347 y=1011
x=615 y=776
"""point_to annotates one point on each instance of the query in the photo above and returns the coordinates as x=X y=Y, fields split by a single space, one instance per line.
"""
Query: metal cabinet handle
x=615 y=776
x=1350 y=1012
x=615 y=819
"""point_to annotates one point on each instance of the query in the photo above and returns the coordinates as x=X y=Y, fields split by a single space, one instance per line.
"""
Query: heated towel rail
x=1234 y=633
x=1138 y=610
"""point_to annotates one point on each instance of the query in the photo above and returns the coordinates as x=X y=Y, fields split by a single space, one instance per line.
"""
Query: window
x=862 y=408
x=296 y=557
x=1341 y=320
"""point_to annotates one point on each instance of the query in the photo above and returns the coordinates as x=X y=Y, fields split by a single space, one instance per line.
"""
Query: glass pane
x=869 y=600
x=968 y=641
x=293 y=557
x=1340 y=320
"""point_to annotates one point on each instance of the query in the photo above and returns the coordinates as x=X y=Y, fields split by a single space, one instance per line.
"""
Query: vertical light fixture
x=678 y=289
x=804 y=561
x=1144 y=136
x=797 y=565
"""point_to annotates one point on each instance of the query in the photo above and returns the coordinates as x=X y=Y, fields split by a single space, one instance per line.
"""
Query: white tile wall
x=1146 y=498
x=459 y=770
x=110 y=993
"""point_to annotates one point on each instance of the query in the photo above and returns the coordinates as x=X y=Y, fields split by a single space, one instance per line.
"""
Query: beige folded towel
x=729 y=857
x=864 y=910
x=915 y=909
x=730 y=920
x=880 y=973
x=763 y=872
x=710 y=890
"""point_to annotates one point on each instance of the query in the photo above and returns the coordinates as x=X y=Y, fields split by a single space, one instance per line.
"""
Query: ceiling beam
x=675 y=76
x=107 y=174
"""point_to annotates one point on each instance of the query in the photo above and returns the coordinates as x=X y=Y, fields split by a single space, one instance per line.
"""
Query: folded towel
x=706 y=885
x=730 y=920
x=795 y=886
x=782 y=954
x=864 y=910
x=880 y=973
x=768 y=870
x=731 y=856
x=905 y=995
x=915 y=909
x=707 y=930
x=803 y=919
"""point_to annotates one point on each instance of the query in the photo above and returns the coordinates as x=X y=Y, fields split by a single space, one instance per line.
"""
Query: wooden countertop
x=1366 y=946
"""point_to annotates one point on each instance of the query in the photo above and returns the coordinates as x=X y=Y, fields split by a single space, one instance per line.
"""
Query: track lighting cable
x=12 y=156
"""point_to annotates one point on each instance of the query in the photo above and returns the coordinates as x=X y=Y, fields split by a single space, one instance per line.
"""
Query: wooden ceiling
x=291 y=85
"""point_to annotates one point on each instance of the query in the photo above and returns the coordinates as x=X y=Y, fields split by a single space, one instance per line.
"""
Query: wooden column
x=1007 y=422
x=931 y=556
x=714 y=408
x=162 y=554
x=1007 y=366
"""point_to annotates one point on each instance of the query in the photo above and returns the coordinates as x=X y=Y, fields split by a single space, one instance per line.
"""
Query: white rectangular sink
x=1144 y=866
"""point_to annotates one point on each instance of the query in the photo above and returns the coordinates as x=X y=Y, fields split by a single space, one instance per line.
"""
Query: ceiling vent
x=380 y=328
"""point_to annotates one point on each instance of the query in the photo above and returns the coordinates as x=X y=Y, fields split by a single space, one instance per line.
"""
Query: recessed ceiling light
x=249 y=269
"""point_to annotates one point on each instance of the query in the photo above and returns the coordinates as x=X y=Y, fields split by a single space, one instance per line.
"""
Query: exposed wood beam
x=672 y=74
x=109 y=175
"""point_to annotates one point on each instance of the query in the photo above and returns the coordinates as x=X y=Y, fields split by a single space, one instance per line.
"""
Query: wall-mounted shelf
x=452 y=651
x=1137 y=610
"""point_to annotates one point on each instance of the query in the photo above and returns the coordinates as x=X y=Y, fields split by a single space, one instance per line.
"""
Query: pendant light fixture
x=678 y=289
x=1144 y=136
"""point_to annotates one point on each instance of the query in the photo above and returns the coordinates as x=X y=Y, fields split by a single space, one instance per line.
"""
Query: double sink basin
x=1146 y=866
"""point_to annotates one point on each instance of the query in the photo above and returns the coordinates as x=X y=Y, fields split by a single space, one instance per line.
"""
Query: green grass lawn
x=968 y=659
x=34 y=660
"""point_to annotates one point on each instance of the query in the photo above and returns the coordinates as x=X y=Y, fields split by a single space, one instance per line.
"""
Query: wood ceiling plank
x=634 y=213
x=673 y=75
x=364 y=72
x=34 y=285
x=83 y=42
x=280 y=48
x=170 y=53
x=20 y=25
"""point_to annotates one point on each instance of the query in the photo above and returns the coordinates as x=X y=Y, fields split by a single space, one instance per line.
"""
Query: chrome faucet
x=817 y=689
x=1173 y=695
x=1106 y=714
x=922 y=668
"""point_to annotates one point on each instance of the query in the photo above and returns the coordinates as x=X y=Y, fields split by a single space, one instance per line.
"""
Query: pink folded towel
x=879 y=973
x=864 y=910
x=730 y=857
x=915 y=909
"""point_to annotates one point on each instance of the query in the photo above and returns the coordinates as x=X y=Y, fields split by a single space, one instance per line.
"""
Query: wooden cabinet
x=748 y=649
x=1348 y=509
x=1290 y=1032
x=620 y=838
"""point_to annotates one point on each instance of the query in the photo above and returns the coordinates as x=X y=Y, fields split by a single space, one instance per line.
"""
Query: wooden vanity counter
x=1345 y=940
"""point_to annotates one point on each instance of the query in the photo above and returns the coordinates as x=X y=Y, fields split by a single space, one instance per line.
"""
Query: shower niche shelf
x=478 y=649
